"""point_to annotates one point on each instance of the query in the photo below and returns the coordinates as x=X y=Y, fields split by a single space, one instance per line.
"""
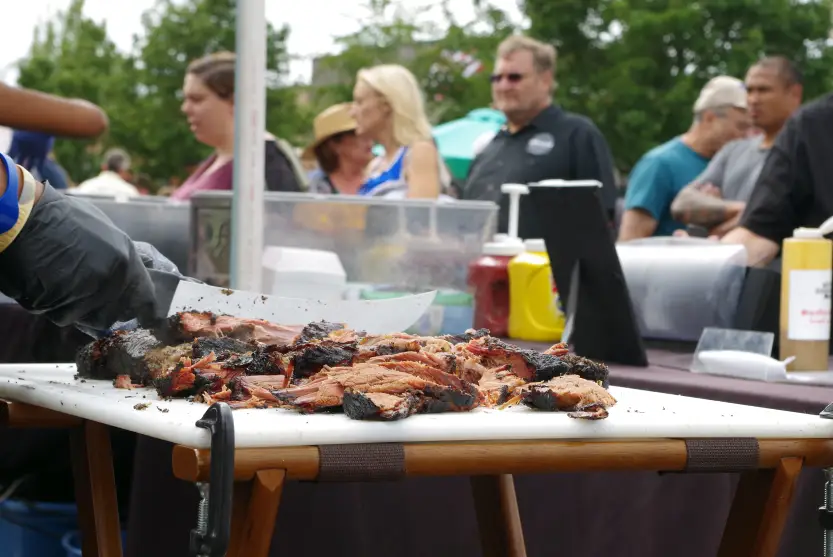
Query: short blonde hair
x=401 y=90
x=543 y=55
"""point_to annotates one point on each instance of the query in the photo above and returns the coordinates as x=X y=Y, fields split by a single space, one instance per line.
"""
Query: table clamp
x=826 y=510
x=211 y=536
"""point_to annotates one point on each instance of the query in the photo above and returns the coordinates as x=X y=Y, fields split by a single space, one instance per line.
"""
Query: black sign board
x=600 y=319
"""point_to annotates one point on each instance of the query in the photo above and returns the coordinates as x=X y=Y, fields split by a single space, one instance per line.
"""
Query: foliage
x=141 y=92
x=390 y=34
x=636 y=66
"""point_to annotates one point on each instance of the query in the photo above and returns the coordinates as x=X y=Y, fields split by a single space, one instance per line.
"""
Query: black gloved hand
x=74 y=266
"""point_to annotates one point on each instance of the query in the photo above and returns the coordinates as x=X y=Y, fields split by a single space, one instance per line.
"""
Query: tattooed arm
x=695 y=205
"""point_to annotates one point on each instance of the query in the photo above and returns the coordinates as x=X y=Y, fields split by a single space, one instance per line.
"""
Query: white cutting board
x=638 y=415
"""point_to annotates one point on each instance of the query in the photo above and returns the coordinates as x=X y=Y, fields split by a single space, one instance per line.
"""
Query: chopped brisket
x=223 y=347
x=570 y=393
x=532 y=365
x=308 y=359
x=188 y=325
x=122 y=353
x=319 y=331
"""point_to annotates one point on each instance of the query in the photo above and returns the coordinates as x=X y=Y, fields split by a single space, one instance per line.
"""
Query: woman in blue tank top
x=389 y=108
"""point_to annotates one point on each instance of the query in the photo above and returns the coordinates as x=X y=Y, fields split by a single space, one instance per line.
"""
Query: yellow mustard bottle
x=806 y=267
x=534 y=314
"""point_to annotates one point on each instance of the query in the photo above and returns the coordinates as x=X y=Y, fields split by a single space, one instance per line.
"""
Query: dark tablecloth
x=621 y=514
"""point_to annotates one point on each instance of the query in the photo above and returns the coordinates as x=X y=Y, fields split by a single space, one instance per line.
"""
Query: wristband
x=24 y=206
x=9 y=208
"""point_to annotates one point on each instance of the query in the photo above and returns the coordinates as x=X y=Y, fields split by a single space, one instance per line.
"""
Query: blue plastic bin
x=72 y=543
x=31 y=529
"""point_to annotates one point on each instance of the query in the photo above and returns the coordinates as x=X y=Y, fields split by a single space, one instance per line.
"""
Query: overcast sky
x=313 y=24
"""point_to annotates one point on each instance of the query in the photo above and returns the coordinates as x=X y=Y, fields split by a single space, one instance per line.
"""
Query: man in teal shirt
x=719 y=117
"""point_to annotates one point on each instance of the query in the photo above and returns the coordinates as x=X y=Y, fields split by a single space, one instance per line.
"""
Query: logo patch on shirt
x=540 y=144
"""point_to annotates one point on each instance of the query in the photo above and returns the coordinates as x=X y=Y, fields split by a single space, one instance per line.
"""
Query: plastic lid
x=823 y=230
x=807 y=233
x=500 y=237
x=535 y=245
x=508 y=248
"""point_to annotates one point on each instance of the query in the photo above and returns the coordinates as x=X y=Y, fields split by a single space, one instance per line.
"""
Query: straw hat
x=333 y=120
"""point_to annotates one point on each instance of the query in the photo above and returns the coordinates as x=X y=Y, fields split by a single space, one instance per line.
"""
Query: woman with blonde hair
x=389 y=109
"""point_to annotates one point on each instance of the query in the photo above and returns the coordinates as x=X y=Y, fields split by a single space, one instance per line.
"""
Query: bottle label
x=809 y=313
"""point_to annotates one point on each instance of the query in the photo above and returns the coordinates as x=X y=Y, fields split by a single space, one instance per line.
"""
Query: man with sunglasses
x=540 y=141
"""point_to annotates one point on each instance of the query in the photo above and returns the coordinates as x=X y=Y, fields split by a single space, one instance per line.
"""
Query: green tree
x=636 y=66
x=71 y=56
x=392 y=34
x=175 y=33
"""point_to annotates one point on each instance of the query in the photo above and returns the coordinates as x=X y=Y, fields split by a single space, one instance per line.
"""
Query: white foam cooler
x=303 y=273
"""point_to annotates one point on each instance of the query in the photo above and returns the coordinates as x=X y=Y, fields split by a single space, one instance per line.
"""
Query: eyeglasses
x=510 y=77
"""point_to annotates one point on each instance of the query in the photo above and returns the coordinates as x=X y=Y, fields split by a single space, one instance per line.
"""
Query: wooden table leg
x=95 y=490
x=759 y=511
x=498 y=518
x=254 y=512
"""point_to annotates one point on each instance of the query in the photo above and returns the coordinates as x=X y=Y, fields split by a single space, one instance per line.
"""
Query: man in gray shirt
x=715 y=200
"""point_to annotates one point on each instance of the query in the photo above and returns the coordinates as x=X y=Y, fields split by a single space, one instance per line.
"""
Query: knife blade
x=373 y=316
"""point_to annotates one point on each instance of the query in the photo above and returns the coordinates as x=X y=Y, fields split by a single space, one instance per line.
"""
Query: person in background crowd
x=540 y=141
x=389 y=110
x=794 y=186
x=114 y=178
x=342 y=155
x=720 y=116
x=209 y=107
x=33 y=151
x=715 y=200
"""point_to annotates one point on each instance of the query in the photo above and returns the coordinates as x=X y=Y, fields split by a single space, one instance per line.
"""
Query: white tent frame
x=247 y=222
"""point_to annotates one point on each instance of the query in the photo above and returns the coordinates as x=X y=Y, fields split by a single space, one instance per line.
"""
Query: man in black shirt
x=540 y=141
x=795 y=187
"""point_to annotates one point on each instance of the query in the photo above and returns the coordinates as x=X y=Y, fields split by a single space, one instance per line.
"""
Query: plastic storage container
x=806 y=267
x=303 y=273
x=535 y=313
x=414 y=244
x=489 y=282
x=29 y=529
x=680 y=286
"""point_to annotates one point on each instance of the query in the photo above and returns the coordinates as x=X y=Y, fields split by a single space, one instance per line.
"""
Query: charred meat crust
x=223 y=347
x=122 y=353
x=318 y=331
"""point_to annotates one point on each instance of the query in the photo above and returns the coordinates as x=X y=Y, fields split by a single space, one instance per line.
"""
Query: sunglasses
x=510 y=77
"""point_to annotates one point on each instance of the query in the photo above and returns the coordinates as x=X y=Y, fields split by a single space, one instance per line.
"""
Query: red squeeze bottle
x=489 y=279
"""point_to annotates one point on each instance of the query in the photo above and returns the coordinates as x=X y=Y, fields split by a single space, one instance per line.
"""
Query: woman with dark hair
x=209 y=107
x=342 y=155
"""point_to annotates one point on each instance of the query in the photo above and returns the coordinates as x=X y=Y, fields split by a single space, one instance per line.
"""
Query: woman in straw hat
x=342 y=155
x=389 y=108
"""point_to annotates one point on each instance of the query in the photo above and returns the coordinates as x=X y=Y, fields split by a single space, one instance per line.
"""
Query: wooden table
x=769 y=470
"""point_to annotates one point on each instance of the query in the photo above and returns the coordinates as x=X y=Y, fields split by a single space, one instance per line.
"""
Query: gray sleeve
x=715 y=172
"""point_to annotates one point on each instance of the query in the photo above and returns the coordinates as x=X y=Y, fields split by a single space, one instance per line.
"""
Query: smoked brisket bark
x=137 y=353
x=223 y=347
x=535 y=366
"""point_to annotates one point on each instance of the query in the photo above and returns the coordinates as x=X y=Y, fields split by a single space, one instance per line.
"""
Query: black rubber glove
x=74 y=266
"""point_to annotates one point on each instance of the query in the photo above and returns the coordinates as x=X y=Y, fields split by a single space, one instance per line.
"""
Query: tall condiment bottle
x=488 y=275
x=489 y=280
x=806 y=273
x=535 y=315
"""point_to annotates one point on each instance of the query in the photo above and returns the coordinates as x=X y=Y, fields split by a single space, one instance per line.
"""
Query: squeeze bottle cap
x=514 y=191
x=535 y=245
x=507 y=248
x=500 y=237
x=823 y=230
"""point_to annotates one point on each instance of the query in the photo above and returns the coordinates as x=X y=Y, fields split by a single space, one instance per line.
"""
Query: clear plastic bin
x=679 y=286
x=410 y=244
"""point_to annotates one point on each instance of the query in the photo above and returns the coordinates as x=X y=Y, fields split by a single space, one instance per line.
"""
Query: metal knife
x=374 y=316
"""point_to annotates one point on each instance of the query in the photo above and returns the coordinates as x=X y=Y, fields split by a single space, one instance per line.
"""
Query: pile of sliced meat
x=251 y=363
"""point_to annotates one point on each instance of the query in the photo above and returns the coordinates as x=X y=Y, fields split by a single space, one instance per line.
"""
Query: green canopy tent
x=456 y=139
